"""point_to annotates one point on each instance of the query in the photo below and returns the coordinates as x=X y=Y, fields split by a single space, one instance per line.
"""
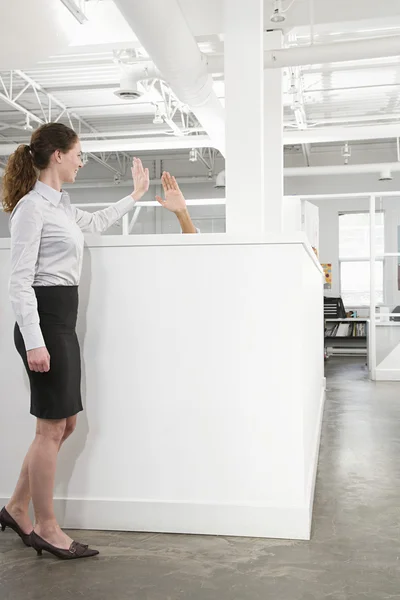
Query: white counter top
x=206 y=239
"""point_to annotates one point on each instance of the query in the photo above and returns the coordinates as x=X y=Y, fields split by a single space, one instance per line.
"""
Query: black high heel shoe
x=76 y=550
x=6 y=520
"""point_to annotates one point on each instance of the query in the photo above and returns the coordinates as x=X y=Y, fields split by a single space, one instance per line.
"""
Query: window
x=354 y=258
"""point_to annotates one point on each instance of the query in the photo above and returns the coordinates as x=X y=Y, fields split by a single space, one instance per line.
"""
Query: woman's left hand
x=141 y=180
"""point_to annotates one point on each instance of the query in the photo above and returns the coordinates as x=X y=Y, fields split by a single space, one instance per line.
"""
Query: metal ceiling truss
x=207 y=156
x=52 y=110
x=173 y=112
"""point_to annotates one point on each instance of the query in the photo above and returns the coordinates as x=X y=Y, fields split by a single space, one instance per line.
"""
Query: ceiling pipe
x=337 y=52
x=296 y=56
x=320 y=135
x=143 y=71
x=370 y=48
x=176 y=55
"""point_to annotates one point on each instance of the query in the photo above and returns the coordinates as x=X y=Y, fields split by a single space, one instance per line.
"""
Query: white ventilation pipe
x=142 y=71
x=330 y=53
x=382 y=47
x=162 y=30
x=342 y=169
x=134 y=145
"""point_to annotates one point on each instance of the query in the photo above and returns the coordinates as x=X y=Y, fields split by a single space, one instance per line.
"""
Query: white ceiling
x=83 y=77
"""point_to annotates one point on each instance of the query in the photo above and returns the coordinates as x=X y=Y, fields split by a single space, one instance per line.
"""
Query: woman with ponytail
x=46 y=260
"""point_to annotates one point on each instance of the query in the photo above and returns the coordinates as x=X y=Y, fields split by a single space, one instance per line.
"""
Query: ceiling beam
x=316 y=135
x=22 y=109
x=319 y=135
x=134 y=145
x=341 y=169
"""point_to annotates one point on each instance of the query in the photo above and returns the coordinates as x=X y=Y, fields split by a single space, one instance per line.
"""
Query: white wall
x=203 y=406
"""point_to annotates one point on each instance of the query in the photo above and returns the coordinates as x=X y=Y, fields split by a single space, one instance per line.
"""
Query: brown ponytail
x=24 y=165
x=19 y=178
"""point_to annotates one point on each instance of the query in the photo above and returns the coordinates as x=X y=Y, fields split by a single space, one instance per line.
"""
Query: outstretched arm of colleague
x=175 y=202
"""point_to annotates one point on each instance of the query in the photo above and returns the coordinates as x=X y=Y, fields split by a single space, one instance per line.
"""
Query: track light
x=385 y=175
x=193 y=155
x=346 y=153
x=28 y=126
x=75 y=11
x=220 y=181
x=277 y=14
x=158 y=119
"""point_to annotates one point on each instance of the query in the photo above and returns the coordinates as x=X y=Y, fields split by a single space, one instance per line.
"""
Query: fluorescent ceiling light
x=106 y=25
x=75 y=11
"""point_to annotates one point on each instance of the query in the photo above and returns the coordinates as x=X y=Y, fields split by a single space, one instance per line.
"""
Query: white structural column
x=244 y=105
x=273 y=139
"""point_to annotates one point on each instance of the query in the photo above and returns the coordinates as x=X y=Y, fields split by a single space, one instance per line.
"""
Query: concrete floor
x=354 y=552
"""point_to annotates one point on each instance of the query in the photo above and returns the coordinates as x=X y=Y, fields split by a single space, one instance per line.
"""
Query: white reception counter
x=203 y=387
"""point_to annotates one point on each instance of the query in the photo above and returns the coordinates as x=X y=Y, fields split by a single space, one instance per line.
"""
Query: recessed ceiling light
x=277 y=16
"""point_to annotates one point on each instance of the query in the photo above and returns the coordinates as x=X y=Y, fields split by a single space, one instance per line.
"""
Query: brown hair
x=22 y=168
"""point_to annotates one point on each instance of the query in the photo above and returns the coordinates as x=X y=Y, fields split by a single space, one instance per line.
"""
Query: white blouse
x=47 y=249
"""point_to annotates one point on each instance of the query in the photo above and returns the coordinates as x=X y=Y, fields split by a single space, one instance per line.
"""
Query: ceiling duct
x=382 y=47
x=176 y=55
x=296 y=56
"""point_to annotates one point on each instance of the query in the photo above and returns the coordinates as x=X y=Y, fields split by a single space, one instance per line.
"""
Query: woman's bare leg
x=19 y=503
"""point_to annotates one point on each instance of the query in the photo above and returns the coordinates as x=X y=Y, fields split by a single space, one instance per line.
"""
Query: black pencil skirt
x=57 y=393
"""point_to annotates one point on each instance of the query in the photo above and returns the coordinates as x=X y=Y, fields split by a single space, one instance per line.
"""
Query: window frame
x=360 y=259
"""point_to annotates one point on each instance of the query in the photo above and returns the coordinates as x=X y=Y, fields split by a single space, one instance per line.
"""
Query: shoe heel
x=39 y=552
x=3 y=527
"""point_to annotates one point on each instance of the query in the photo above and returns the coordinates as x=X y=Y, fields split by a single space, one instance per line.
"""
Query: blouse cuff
x=33 y=336
x=125 y=205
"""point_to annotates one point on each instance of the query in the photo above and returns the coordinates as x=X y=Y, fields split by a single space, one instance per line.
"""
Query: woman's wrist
x=136 y=196
x=182 y=212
